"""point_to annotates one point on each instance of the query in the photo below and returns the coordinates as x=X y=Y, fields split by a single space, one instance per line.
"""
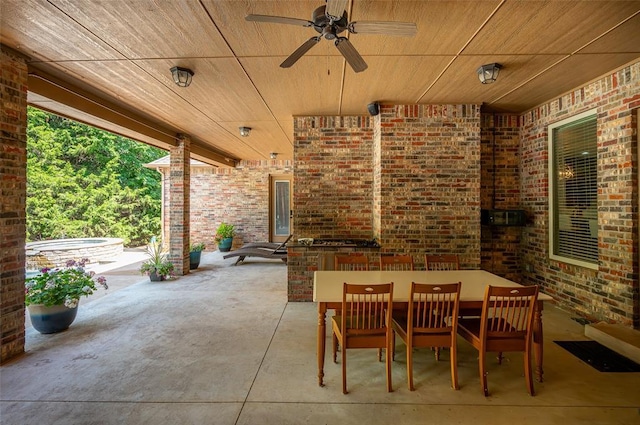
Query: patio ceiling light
x=273 y=155
x=244 y=131
x=182 y=76
x=489 y=73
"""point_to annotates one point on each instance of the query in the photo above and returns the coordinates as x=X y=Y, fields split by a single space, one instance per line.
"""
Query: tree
x=86 y=182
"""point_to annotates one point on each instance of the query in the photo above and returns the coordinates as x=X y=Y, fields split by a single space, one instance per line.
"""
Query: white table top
x=327 y=285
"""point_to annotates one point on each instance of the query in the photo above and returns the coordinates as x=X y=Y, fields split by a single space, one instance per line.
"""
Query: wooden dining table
x=327 y=292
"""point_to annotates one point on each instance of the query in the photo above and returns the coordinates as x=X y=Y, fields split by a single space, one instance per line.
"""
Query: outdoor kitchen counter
x=304 y=260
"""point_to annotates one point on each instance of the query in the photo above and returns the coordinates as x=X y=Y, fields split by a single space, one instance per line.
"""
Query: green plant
x=197 y=247
x=225 y=231
x=157 y=262
x=62 y=285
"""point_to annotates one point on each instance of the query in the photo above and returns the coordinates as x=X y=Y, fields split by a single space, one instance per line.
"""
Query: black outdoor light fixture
x=489 y=73
x=182 y=76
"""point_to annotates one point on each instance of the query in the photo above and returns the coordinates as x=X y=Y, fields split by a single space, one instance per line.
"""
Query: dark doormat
x=600 y=357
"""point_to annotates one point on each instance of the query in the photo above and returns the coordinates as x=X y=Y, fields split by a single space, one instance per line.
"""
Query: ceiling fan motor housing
x=322 y=23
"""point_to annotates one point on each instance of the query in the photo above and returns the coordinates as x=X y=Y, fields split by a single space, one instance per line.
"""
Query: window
x=573 y=190
x=280 y=207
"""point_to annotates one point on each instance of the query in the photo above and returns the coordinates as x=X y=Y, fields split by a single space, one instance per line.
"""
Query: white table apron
x=327 y=292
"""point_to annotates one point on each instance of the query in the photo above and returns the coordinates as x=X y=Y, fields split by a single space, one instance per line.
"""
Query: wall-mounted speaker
x=374 y=108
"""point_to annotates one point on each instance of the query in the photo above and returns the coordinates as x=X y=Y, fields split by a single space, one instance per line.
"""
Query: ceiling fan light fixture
x=488 y=74
x=181 y=76
x=245 y=131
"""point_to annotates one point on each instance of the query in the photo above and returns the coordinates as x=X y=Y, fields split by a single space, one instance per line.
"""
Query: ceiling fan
x=330 y=21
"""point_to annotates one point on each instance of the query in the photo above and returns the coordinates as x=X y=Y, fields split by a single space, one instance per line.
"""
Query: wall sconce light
x=181 y=76
x=489 y=73
x=273 y=155
x=244 y=131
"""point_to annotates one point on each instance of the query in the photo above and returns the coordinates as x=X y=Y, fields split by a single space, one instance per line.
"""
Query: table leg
x=537 y=342
x=322 y=329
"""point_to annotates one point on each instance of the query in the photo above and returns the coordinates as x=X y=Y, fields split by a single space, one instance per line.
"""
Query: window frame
x=553 y=183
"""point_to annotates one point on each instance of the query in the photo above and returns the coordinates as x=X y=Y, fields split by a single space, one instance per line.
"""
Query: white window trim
x=552 y=189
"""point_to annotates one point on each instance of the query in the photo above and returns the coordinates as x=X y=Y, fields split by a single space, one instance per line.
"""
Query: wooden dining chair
x=364 y=322
x=441 y=262
x=351 y=262
x=506 y=324
x=398 y=262
x=431 y=320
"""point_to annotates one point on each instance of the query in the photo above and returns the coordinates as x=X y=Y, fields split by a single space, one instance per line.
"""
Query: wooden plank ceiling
x=116 y=55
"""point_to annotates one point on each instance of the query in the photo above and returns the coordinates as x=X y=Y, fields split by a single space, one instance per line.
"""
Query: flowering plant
x=63 y=285
x=157 y=262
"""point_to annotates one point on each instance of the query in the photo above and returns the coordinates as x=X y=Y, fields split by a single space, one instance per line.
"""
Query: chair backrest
x=366 y=309
x=433 y=309
x=507 y=317
x=396 y=262
x=442 y=262
x=351 y=262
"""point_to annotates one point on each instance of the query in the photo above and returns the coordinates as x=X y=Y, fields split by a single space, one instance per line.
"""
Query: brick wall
x=500 y=189
x=238 y=196
x=611 y=292
x=409 y=177
x=13 y=192
x=333 y=173
x=430 y=181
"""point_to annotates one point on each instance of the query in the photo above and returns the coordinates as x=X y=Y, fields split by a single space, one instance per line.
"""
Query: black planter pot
x=194 y=259
x=155 y=277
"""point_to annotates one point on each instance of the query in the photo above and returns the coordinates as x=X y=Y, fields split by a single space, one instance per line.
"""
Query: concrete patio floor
x=223 y=346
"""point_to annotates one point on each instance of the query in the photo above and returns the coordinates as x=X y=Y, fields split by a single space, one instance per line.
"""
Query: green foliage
x=85 y=182
x=62 y=285
x=197 y=247
x=225 y=231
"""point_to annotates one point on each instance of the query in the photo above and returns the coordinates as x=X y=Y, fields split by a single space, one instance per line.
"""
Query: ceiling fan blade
x=279 y=20
x=335 y=8
x=351 y=54
x=300 y=51
x=407 y=29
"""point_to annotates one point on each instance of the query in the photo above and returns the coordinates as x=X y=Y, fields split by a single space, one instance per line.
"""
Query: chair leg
x=483 y=373
x=500 y=356
x=527 y=372
x=437 y=353
x=343 y=353
x=335 y=348
x=388 y=361
x=410 y=366
x=454 y=364
x=379 y=354
x=393 y=346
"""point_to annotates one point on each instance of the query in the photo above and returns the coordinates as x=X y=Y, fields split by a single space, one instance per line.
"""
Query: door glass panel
x=282 y=221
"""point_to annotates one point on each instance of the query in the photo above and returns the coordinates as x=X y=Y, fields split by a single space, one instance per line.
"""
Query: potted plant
x=53 y=295
x=195 y=251
x=157 y=266
x=224 y=236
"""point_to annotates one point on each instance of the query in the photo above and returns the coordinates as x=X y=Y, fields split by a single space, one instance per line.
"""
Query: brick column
x=13 y=194
x=179 y=210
